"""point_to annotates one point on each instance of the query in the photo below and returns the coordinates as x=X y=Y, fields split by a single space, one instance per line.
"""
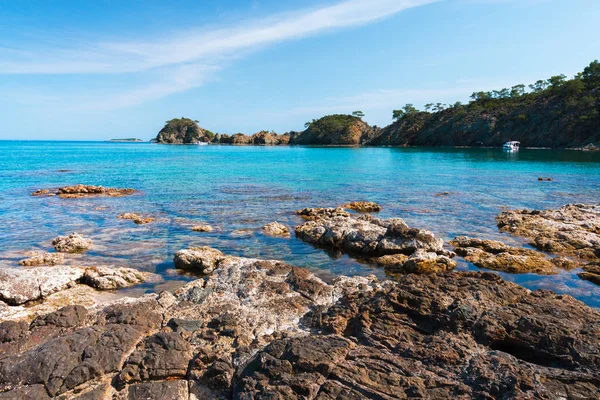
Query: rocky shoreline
x=250 y=328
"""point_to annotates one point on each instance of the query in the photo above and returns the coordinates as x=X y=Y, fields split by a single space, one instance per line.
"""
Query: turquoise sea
x=242 y=188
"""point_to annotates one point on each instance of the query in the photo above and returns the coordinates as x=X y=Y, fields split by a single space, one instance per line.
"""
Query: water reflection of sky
x=236 y=188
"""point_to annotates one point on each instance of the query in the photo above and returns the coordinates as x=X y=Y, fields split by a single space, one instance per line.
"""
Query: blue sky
x=94 y=70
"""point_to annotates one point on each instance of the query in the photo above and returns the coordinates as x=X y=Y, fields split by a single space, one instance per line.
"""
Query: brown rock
x=37 y=258
x=591 y=272
x=138 y=219
x=363 y=206
x=200 y=259
x=498 y=256
x=105 y=278
x=573 y=229
x=80 y=190
x=312 y=214
x=202 y=228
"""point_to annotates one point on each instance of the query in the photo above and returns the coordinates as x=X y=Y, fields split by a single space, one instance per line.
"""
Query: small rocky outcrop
x=36 y=258
x=265 y=329
x=390 y=243
x=276 y=229
x=106 y=278
x=498 y=256
x=22 y=285
x=573 y=229
x=202 y=228
x=74 y=243
x=199 y=259
x=78 y=191
x=182 y=131
x=363 y=206
x=337 y=129
x=138 y=219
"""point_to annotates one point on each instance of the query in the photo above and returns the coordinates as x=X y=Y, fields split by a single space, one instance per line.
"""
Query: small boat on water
x=202 y=144
x=511 y=146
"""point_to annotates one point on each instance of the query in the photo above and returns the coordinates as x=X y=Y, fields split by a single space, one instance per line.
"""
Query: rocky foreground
x=256 y=329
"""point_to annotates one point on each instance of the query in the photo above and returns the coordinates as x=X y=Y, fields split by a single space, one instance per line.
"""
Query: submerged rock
x=276 y=229
x=573 y=229
x=498 y=256
x=200 y=259
x=80 y=190
x=36 y=258
x=312 y=214
x=202 y=228
x=390 y=243
x=363 y=206
x=74 y=243
x=265 y=329
x=138 y=219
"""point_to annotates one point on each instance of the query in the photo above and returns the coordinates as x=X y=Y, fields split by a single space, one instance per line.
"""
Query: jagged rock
x=138 y=219
x=105 y=278
x=460 y=335
x=74 y=243
x=312 y=214
x=43 y=192
x=384 y=242
x=591 y=272
x=200 y=259
x=498 y=256
x=182 y=131
x=363 y=206
x=36 y=258
x=22 y=285
x=202 y=228
x=265 y=329
x=276 y=229
x=573 y=229
x=337 y=129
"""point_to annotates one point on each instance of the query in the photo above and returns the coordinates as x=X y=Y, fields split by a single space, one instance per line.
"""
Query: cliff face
x=338 y=129
x=554 y=118
x=182 y=131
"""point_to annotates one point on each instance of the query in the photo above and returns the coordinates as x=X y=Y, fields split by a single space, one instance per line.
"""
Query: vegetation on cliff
x=183 y=131
x=557 y=112
x=337 y=129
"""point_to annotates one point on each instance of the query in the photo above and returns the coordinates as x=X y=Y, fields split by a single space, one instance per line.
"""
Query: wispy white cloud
x=181 y=57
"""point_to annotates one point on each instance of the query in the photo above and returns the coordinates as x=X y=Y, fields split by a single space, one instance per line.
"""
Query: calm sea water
x=242 y=188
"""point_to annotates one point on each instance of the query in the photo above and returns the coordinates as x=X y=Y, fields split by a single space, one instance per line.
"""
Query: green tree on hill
x=358 y=114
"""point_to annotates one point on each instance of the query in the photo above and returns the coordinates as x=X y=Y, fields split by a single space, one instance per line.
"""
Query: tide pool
x=239 y=189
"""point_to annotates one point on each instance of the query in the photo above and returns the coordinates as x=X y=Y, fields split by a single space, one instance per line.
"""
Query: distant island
x=553 y=113
x=126 y=140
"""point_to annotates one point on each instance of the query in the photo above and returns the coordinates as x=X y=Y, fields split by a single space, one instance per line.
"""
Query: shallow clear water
x=234 y=188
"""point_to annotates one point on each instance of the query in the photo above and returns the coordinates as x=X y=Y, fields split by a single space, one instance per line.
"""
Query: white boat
x=202 y=144
x=511 y=146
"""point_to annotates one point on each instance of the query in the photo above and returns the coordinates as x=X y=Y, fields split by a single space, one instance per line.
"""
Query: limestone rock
x=498 y=256
x=80 y=190
x=105 y=278
x=276 y=229
x=200 y=259
x=74 y=243
x=21 y=285
x=591 y=272
x=36 y=258
x=138 y=219
x=573 y=229
x=312 y=214
x=390 y=243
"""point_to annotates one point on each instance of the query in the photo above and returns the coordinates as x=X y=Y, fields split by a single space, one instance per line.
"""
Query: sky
x=95 y=70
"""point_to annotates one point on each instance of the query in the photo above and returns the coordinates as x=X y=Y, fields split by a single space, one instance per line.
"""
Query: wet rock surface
x=363 y=206
x=202 y=228
x=264 y=329
x=138 y=219
x=74 y=243
x=573 y=229
x=78 y=191
x=390 y=243
x=591 y=272
x=36 y=258
x=492 y=254
x=276 y=229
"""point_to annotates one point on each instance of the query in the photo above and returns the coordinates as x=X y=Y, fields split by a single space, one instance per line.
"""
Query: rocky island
x=554 y=113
